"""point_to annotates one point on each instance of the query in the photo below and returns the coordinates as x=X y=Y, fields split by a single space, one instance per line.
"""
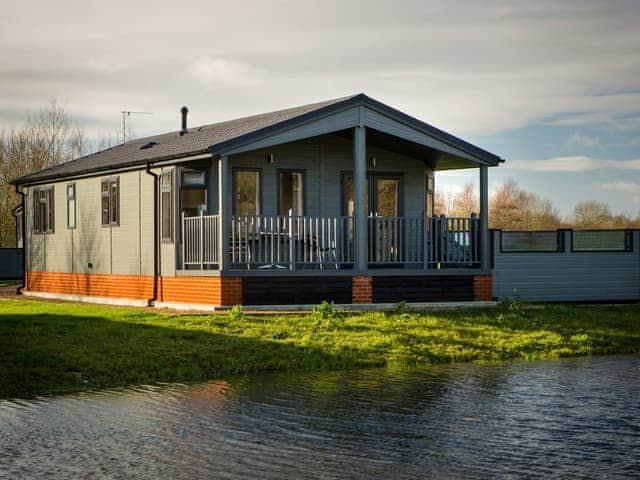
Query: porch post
x=484 y=217
x=359 y=197
x=224 y=212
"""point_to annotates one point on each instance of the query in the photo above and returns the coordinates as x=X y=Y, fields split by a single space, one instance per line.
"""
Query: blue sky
x=553 y=87
x=566 y=163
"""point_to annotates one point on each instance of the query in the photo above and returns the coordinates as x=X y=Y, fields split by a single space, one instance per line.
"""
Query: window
x=602 y=241
x=71 y=205
x=291 y=193
x=429 y=195
x=246 y=195
x=166 y=200
x=522 y=242
x=193 y=192
x=386 y=197
x=111 y=201
x=17 y=213
x=43 y=210
x=348 y=195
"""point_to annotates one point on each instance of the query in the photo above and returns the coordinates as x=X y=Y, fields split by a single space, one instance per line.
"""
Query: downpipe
x=156 y=245
x=23 y=221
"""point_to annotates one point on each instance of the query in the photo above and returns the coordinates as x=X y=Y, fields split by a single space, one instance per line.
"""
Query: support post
x=292 y=251
x=182 y=239
x=360 y=197
x=224 y=212
x=484 y=218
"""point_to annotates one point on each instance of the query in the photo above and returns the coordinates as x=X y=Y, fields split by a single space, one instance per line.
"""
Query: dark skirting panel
x=295 y=290
x=439 y=288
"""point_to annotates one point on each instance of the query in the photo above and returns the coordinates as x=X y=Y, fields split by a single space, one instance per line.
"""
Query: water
x=557 y=419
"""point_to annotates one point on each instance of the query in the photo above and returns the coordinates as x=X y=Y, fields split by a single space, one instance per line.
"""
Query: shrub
x=324 y=311
x=326 y=316
x=236 y=313
x=400 y=308
x=514 y=304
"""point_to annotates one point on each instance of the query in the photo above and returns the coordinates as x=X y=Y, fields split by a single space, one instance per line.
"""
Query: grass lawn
x=50 y=347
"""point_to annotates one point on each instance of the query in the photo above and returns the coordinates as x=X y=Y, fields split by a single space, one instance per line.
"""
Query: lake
x=577 y=418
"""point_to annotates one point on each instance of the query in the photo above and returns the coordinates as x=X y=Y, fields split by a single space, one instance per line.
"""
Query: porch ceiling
x=435 y=159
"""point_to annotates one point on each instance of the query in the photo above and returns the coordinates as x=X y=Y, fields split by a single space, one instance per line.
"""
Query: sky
x=552 y=87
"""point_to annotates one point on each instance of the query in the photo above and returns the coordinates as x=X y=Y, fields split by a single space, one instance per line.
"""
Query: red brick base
x=189 y=289
x=361 y=289
x=91 y=284
x=482 y=288
x=204 y=290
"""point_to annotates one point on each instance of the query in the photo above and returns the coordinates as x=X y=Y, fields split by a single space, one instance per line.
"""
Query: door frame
x=372 y=190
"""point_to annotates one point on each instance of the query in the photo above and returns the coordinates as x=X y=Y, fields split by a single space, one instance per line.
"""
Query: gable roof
x=217 y=136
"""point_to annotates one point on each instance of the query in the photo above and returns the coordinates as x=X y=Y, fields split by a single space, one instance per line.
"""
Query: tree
x=465 y=203
x=46 y=139
x=511 y=208
x=592 y=214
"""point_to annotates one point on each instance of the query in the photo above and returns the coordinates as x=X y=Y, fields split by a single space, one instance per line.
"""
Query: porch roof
x=390 y=128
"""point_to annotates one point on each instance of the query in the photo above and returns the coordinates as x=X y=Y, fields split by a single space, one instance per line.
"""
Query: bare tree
x=46 y=139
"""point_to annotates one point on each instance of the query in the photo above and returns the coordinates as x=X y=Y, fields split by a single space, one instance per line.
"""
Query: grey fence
x=11 y=263
x=566 y=266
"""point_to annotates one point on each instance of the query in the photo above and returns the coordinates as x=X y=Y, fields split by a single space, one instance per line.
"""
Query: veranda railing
x=200 y=240
x=424 y=242
x=291 y=242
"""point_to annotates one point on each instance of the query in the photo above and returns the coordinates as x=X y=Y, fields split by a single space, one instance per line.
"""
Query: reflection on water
x=572 y=418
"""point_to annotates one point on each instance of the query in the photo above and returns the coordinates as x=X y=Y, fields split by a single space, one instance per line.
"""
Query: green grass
x=50 y=347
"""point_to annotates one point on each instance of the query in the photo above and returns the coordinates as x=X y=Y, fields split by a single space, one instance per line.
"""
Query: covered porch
x=355 y=202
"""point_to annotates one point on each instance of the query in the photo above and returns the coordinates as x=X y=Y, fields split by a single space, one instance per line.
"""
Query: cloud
x=215 y=72
x=582 y=140
x=626 y=187
x=573 y=164
x=622 y=186
x=487 y=68
x=451 y=189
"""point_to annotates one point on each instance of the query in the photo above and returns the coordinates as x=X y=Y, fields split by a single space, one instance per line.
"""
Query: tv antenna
x=125 y=114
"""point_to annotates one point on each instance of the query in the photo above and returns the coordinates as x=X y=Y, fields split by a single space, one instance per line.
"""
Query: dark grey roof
x=209 y=137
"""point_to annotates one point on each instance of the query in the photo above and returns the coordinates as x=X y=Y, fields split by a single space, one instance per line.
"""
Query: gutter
x=156 y=244
x=99 y=171
x=24 y=243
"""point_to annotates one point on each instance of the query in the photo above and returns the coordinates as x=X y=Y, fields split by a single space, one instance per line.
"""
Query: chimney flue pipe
x=184 y=111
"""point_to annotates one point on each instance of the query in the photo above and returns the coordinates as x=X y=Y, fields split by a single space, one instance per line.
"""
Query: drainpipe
x=24 y=243
x=156 y=247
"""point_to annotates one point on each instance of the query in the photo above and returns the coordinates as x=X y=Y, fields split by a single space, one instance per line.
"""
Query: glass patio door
x=384 y=228
x=383 y=208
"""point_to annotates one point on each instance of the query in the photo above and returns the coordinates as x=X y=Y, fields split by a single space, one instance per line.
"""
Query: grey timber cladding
x=92 y=247
x=324 y=160
x=567 y=276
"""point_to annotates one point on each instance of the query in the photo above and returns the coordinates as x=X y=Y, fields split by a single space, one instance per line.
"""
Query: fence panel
x=511 y=241
x=599 y=274
x=11 y=263
x=602 y=241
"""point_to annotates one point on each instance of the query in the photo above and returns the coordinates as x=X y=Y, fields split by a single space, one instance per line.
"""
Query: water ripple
x=561 y=419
